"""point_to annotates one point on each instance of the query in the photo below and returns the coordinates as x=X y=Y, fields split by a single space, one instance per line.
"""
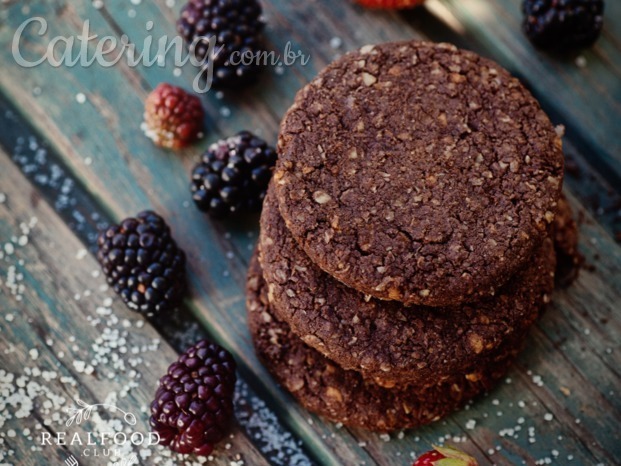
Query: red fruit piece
x=429 y=458
x=445 y=456
x=172 y=117
x=390 y=4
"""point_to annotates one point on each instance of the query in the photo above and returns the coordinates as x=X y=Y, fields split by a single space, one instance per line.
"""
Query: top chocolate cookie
x=418 y=172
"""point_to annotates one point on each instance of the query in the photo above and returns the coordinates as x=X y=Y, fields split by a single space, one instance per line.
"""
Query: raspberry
x=562 y=24
x=172 y=117
x=236 y=26
x=233 y=176
x=142 y=263
x=193 y=405
x=390 y=4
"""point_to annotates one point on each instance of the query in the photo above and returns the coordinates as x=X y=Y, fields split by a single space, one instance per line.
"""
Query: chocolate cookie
x=385 y=340
x=418 y=172
x=344 y=396
x=568 y=257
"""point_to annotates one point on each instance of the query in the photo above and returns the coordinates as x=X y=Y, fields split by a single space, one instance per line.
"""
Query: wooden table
x=73 y=158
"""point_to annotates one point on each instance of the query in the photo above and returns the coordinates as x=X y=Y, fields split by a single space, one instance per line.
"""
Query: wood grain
x=61 y=323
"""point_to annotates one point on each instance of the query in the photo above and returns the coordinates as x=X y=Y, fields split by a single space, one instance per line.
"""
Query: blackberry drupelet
x=172 y=117
x=236 y=26
x=142 y=263
x=233 y=175
x=193 y=405
x=563 y=24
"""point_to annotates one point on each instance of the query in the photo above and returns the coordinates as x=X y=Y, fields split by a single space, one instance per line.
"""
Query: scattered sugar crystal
x=537 y=380
x=336 y=42
x=81 y=254
x=548 y=416
x=80 y=98
x=34 y=354
x=581 y=62
x=2 y=198
x=471 y=424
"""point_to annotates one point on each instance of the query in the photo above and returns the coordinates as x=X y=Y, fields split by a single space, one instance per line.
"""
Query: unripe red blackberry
x=193 y=405
x=172 y=117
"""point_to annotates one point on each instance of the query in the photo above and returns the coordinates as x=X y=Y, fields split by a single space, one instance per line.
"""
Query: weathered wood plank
x=84 y=216
x=64 y=337
x=220 y=301
x=108 y=142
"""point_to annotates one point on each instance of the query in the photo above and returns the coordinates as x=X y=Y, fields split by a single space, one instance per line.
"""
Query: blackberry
x=233 y=175
x=193 y=405
x=236 y=27
x=172 y=117
x=563 y=24
x=142 y=263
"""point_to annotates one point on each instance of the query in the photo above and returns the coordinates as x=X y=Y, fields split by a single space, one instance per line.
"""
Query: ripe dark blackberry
x=142 y=262
x=233 y=175
x=563 y=24
x=236 y=26
x=193 y=405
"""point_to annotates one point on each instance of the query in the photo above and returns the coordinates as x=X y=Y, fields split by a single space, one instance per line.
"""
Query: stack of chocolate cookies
x=408 y=237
